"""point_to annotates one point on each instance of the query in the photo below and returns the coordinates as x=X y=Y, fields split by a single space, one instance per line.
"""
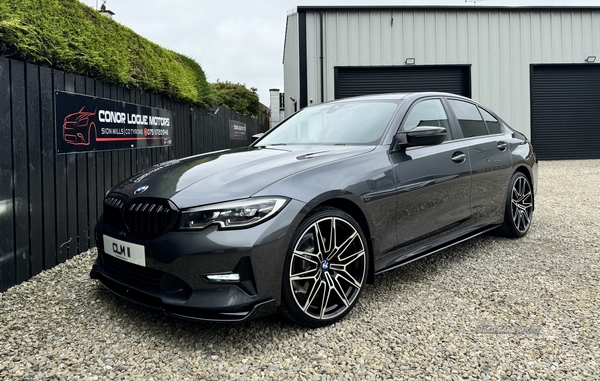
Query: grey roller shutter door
x=565 y=111
x=355 y=81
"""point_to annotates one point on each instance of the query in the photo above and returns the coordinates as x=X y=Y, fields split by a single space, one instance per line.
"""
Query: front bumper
x=175 y=280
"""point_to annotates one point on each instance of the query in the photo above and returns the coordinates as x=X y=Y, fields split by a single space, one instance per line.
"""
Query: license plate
x=129 y=252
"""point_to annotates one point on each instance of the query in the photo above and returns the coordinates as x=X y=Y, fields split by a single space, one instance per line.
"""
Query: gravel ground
x=490 y=309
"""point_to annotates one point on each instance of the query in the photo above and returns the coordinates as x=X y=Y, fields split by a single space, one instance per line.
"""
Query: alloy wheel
x=327 y=268
x=522 y=204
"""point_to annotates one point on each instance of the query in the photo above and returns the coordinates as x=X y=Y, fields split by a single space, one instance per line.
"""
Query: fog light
x=241 y=276
x=223 y=277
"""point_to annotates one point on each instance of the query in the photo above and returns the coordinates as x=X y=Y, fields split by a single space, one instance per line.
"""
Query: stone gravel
x=489 y=309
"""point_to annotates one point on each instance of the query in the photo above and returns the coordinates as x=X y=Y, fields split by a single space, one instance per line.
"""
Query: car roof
x=400 y=96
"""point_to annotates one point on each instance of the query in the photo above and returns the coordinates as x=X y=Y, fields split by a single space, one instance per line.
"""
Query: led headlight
x=232 y=214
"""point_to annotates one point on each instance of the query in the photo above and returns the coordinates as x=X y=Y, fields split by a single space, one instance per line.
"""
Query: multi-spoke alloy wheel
x=326 y=268
x=519 y=207
x=522 y=204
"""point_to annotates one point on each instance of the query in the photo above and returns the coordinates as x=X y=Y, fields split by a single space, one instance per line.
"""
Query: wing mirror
x=419 y=136
x=255 y=137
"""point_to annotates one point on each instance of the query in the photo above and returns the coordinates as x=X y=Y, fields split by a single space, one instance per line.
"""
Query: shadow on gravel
x=132 y=319
x=148 y=324
x=391 y=285
x=420 y=269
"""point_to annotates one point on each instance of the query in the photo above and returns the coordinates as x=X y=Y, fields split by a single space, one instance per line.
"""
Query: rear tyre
x=325 y=268
x=519 y=207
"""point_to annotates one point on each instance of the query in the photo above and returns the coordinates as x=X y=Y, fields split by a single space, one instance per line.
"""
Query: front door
x=434 y=182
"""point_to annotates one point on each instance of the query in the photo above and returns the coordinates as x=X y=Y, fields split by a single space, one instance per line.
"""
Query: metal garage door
x=354 y=81
x=565 y=111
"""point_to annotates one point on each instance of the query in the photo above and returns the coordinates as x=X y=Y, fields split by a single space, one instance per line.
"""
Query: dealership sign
x=237 y=130
x=85 y=123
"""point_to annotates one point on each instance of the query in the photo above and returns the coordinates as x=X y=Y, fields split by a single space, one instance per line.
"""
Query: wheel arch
x=359 y=216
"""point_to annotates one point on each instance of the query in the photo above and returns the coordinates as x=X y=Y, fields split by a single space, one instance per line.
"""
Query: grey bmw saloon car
x=303 y=218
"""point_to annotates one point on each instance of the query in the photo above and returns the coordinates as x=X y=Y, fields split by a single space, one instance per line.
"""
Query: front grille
x=146 y=218
x=113 y=208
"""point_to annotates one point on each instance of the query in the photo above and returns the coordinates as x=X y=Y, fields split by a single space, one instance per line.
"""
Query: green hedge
x=70 y=36
x=236 y=96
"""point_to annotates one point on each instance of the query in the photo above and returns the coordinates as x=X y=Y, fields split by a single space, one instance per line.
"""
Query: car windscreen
x=352 y=122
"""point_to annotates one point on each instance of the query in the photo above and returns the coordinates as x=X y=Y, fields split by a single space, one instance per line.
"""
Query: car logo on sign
x=141 y=189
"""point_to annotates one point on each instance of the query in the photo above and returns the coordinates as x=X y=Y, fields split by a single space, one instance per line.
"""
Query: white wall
x=291 y=64
x=277 y=115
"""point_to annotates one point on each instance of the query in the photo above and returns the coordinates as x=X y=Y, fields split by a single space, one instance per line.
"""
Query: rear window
x=471 y=122
x=492 y=122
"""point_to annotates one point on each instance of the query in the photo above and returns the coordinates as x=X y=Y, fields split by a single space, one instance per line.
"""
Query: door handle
x=459 y=157
x=502 y=146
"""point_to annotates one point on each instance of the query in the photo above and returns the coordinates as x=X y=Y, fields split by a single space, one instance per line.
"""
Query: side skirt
x=428 y=250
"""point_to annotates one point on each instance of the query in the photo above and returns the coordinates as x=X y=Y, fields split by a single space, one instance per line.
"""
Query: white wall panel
x=313 y=51
x=385 y=34
x=375 y=39
x=585 y=37
x=451 y=38
x=353 y=41
x=291 y=64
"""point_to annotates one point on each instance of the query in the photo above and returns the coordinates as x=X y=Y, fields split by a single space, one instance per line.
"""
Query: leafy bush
x=70 y=36
x=236 y=97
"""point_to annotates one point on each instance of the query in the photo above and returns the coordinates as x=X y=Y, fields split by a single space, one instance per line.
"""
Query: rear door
x=489 y=157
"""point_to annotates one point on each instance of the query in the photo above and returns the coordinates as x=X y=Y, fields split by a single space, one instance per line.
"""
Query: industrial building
x=535 y=66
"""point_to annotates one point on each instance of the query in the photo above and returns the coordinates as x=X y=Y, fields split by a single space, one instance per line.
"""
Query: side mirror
x=256 y=137
x=419 y=136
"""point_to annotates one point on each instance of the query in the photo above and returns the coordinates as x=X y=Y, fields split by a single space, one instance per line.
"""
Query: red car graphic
x=77 y=128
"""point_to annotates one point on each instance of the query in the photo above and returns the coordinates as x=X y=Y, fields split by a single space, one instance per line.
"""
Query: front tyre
x=325 y=269
x=519 y=207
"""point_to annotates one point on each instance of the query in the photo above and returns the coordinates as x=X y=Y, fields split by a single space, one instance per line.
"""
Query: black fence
x=49 y=202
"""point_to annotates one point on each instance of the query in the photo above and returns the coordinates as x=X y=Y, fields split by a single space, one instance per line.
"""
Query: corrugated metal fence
x=49 y=202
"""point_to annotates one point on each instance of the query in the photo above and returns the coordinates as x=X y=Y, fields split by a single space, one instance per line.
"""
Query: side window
x=469 y=118
x=429 y=112
x=492 y=123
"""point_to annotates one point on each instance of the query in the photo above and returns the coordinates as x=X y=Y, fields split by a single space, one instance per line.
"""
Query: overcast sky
x=242 y=40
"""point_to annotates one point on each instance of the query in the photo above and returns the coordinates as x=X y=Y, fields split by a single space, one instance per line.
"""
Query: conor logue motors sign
x=85 y=123
x=237 y=130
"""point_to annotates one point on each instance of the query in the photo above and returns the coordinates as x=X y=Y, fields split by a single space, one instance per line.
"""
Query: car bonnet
x=230 y=174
